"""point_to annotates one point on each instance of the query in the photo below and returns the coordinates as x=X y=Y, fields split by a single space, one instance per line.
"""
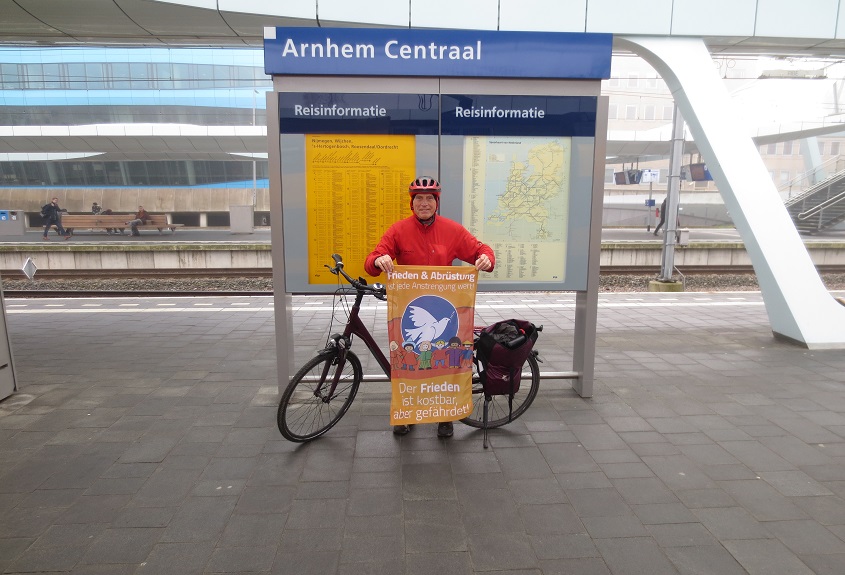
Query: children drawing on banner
x=425 y=355
x=439 y=354
x=409 y=360
x=466 y=357
x=454 y=352
x=396 y=356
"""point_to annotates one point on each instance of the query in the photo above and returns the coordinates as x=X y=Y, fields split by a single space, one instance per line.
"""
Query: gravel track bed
x=608 y=283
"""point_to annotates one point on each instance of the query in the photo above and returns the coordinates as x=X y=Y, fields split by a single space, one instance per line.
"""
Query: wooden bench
x=114 y=221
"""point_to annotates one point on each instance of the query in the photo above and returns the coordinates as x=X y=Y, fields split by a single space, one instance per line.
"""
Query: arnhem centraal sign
x=442 y=53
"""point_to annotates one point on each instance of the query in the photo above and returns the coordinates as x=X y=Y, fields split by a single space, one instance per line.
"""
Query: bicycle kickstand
x=486 y=403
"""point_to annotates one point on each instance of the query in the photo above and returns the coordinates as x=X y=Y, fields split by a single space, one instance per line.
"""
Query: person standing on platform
x=662 y=216
x=52 y=216
x=427 y=238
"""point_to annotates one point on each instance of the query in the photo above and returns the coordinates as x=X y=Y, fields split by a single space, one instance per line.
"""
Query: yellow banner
x=356 y=187
x=430 y=315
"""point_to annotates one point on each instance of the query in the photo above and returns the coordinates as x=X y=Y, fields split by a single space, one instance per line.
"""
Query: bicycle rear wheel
x=498 y=410
x=305 y=411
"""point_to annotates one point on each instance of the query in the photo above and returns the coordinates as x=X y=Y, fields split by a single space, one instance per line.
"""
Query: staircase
x=819 y=207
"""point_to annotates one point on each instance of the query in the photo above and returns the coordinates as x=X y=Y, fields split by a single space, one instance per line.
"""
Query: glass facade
x=58 y=87
x=162 y=174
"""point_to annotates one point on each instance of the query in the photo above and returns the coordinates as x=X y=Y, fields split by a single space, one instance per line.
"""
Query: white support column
x=812 y=161
x=799 y=306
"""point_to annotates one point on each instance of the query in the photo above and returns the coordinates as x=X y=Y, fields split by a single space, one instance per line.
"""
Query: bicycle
x=323 y=389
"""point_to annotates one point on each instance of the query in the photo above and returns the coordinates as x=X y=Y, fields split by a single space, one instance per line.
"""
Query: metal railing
x=805 y=182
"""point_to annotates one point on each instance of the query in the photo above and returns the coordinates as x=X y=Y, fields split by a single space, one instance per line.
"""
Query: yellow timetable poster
x=355 y=189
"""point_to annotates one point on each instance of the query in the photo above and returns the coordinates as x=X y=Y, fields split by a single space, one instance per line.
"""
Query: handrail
x=808 y=173
x=819 y=207
x=815 y=187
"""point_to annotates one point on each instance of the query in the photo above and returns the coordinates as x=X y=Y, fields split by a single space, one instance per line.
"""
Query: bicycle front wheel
x=306 y=410
x=498 y=410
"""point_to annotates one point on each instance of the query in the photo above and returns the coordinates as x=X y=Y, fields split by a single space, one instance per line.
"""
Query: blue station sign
x=313 y=113
x=482 y=115
x=440 y=53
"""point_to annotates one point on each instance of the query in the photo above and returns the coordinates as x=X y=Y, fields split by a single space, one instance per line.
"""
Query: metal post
x=587 y=302
x=254 y=180
x=649 y=207
x=673 y=193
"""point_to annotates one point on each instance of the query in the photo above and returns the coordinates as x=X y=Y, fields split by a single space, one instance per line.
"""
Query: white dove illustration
x=427 y=327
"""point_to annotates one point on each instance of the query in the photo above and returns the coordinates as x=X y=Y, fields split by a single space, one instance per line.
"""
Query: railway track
x=142 y=274
x=268 y=273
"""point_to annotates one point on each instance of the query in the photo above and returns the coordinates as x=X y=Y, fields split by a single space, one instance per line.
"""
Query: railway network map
x=516 y=199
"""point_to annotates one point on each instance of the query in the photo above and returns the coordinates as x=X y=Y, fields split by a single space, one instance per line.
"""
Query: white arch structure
x=799 y=306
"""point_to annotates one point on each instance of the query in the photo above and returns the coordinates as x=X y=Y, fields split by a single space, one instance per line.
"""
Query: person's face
x=424 y=205
x=55 y=200
x=140 y=208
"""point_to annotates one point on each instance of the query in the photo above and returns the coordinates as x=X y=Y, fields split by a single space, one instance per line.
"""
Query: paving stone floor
x=143 y=440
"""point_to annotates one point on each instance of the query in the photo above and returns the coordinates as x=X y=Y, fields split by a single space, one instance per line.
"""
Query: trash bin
x=12 y=223
x=683 y=237
x=241 y=219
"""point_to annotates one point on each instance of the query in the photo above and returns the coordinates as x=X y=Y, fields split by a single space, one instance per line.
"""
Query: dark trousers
x=58 y=225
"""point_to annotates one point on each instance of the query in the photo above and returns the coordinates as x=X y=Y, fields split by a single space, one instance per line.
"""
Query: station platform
x=202 y=248
x=143 y=440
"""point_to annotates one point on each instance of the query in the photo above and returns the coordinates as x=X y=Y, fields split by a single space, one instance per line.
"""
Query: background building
x=180 y=130
x=786 y=103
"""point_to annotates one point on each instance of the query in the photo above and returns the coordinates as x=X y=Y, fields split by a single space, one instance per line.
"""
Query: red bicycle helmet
x=424 y=185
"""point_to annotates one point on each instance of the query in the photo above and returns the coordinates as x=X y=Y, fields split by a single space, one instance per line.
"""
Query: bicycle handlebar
x=377 y=289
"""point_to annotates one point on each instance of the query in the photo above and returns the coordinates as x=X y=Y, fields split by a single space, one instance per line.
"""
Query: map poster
x=354 y=192
x=516 y=199
x=430 y=315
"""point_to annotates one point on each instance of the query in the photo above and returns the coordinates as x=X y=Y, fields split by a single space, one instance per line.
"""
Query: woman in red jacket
x=426 y=238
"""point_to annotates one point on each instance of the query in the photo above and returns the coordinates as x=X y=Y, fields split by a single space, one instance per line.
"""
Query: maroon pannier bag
x=502 y=349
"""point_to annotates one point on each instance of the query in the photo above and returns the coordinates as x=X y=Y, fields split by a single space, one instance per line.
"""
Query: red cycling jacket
x=411 y=243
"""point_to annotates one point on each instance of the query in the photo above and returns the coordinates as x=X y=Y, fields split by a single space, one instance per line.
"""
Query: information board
x=352 y=184
x=524 y=167
x=516 y=172
x=516 y=197
x=347 y=161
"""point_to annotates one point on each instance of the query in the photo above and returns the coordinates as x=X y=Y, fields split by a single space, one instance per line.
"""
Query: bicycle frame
x=343 y=342
x=354 y=326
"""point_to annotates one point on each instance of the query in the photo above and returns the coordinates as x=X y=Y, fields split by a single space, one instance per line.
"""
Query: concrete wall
x=140 y=257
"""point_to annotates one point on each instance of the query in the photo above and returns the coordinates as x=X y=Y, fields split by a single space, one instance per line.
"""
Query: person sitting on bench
x=141 y=217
